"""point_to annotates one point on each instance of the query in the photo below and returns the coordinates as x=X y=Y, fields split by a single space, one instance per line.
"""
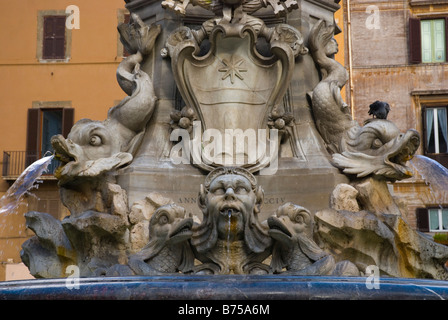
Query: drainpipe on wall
x=350 y=62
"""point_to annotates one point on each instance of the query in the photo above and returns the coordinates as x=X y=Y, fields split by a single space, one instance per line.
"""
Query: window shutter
x=446 y=39
x=415 y=38
x=54 y=37
x=422 y=219
x=439 y=40
x=33 y=136
x=47 y=49
x=67 y=120
x=427 y=41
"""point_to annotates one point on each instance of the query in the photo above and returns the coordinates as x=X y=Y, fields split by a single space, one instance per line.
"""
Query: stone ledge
x=229 y=287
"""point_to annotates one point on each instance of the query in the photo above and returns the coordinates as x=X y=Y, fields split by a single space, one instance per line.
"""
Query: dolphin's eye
x=298 y=218
x=163 y=219
x=377 y=143
x=95 y=140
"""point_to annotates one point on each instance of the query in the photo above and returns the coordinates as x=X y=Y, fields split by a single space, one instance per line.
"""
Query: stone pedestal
x=307 y=181
x=309 y=186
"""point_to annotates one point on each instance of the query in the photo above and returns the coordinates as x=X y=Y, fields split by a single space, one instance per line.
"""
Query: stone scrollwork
x=230 y=72
x=290 y=35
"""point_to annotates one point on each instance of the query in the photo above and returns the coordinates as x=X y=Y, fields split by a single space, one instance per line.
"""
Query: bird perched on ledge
x=379 y=109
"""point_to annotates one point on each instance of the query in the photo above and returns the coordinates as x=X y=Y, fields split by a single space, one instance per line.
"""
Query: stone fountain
x=234 y=154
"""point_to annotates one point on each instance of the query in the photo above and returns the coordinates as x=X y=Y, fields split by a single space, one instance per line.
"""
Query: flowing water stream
x=11 y=201
x=25 y=182
x=433 y=173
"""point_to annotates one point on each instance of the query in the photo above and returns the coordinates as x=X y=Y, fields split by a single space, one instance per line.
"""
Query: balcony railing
x=15 y=162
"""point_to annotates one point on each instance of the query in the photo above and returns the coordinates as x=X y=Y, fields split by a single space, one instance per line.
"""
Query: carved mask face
x=231 y=200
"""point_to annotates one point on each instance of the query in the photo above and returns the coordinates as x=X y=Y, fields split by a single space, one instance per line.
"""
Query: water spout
x=431 y=171
x=25 y=182
x=435 y=177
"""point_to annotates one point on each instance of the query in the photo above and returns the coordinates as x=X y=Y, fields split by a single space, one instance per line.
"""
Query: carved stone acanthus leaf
x=137 y=36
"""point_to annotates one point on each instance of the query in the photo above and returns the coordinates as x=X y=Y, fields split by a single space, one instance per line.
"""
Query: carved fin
x=320 y=35
x=359 y=164
x=135 y=143
x=94 y=168
x=310 y=248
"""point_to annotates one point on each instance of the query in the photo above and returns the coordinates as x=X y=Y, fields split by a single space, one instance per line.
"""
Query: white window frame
x=430 y=42
x=440 y=217
x=435 y=123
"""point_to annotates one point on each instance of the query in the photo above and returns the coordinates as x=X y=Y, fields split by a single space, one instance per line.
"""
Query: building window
x=53 y=46
x=53 y=38
x=45 y=120
x=436 y=135
x=43 y=123
x=51 y=126
x=428 y=40
x=432 y=219
x=438 y=220
x=433 y=40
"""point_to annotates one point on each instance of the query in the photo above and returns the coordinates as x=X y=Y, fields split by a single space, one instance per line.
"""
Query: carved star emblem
x=232 y=69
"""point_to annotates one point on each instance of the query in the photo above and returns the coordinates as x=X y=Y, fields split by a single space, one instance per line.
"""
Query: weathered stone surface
x=295 y=249
x=344 y=197
x=374 y=196
x=391 y=245
x=139 y=217
x=50 y=251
